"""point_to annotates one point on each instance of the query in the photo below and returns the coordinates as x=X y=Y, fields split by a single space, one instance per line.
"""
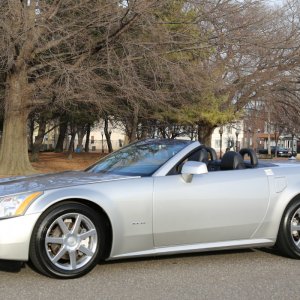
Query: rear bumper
x=283 y=155
x=15 y=234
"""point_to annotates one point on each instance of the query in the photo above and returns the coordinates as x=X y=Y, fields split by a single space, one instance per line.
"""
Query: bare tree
x=45 y=48
x=178 y=63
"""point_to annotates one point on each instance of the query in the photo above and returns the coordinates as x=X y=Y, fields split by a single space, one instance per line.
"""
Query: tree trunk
x=145 y=130
x=61 y=136
x=162 y=130
x=204 y=133
x=71 y=145
x=31 y=132
x=134 y=124
x=87 y=139
x=81 y=130
x=107 y=135
x=14 y=158
x=38 y=141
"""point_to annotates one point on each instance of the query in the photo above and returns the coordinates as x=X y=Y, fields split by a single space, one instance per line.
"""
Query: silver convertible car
x=153 y=197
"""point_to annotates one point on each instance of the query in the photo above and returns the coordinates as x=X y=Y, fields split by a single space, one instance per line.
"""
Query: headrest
x=212 y=152
x=200 y=155
x=251 y=153
x=231 y=161
x=203 y=155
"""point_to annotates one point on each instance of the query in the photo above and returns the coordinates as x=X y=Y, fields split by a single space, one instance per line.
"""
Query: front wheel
x=288 y=240
x=67 y=241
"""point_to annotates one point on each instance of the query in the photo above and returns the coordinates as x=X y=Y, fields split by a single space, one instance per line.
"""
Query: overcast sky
x=275 y=2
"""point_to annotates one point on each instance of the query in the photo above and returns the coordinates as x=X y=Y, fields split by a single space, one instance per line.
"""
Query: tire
x=67 y=241
x=288 y=239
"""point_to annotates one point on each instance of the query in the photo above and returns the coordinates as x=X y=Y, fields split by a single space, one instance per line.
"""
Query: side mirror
x=191 y=168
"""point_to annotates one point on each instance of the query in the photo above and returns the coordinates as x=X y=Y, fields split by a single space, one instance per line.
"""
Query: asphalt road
x=244 y=274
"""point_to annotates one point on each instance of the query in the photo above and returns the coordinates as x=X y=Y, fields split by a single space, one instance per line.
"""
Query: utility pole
x=269 y=131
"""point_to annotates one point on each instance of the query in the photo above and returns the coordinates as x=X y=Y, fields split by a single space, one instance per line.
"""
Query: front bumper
x=15 y=234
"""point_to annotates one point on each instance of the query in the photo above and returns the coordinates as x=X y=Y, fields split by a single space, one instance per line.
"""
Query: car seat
x=200 y=155
x=232 y=161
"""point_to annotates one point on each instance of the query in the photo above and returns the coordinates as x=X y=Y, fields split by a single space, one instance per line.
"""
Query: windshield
x=142 y=158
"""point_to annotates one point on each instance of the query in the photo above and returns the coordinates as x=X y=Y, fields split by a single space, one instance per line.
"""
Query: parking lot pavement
x=244 y=274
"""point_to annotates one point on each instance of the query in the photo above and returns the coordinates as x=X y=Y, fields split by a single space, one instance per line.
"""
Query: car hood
x=32 y=183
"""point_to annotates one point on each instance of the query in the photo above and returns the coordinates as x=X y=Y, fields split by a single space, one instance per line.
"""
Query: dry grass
x=56 y=162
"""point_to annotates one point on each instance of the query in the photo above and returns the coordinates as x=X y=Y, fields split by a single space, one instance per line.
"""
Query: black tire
x=75 y=251
x=289 y=231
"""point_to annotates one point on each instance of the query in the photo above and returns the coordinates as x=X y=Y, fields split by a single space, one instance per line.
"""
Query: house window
x=92 y=139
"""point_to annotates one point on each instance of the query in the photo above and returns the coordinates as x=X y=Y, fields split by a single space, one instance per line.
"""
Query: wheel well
x=283 y=240
x=295 y=198
x=101 y=212
x=291 y=202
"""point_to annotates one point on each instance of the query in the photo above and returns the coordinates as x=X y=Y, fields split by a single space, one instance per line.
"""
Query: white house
x=227 y=136
x=230 y=136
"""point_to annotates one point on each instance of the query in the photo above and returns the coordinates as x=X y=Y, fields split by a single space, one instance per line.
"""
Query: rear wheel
x=67 y=241
x=288 y=240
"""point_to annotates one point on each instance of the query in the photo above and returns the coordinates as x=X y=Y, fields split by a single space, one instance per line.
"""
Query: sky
x=275 y=2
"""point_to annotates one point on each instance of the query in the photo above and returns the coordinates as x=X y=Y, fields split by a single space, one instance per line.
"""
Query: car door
x=214 y=207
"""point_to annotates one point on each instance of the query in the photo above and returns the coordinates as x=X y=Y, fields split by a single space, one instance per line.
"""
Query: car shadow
x=272 y=251
x=16 y=266
x=11 y=266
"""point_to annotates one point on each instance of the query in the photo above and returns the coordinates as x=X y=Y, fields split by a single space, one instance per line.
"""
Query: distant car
x=153 y=197
x=281 y=152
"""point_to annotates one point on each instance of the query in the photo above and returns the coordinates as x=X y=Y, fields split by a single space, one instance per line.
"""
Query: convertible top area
x=145 y=157
x=231 y=160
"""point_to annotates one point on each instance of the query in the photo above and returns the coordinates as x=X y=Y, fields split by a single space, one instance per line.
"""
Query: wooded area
x=154 y=67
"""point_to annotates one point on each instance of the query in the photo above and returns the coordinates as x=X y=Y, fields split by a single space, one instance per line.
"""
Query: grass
x=55 y=162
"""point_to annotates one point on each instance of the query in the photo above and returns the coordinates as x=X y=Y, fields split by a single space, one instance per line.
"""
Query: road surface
x=243 y=274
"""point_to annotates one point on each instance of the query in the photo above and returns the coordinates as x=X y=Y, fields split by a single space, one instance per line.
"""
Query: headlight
x=16 y=205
